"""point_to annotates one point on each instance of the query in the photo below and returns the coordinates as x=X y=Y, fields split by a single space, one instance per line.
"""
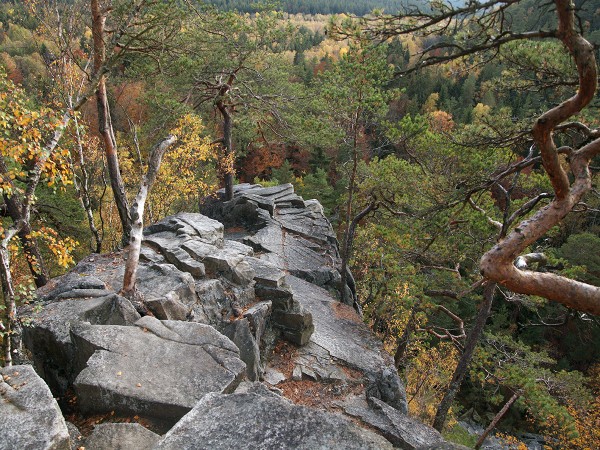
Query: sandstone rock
x=266 y=274
x=273 y=377
x=240 y=334
x=70 y=284
x=262 y=421
x=158 y=369
x=340 y=336
x=29 y=415
x=400 y=429
x=190 y=225
x=296 y=325
x=167 y=291
x=75 y=436
x=221 y=262
x=444 y=446
x=121 y=436
x=290 y=234
x=47 y=336
x=258 y=316
x=384 y=384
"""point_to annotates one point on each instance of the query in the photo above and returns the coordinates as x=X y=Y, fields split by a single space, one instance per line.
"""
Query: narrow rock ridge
x=244 y=317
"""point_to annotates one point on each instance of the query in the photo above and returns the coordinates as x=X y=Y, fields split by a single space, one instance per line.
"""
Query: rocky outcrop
x=401 y=430
x=291 y=233
x=48 y=335
x=266 y=421
x=158 y=369
x=121 y=436
x=250 y=296
x=29 y=416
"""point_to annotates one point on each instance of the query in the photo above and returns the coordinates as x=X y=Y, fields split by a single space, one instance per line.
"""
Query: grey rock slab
x=296 y=254
x=82 y=293
x=275 y=192
x=74 y=435
x=240 y=334
x=187 y=333
x=68 y=283
x=238 y=247
x=213 y=305
x=446 y=446
x=192 y=225
x=338 y=329
x=266 y=274
x=257 y=316
x=384 y=384
x=29 y=416
x=257 y=421
x=227 y=262
x=400 y=429
x=150 y=255
x=159 y=369
x=121 y=436
x=181 y=259
x=273 y=376
x=47 y=336
x=341 y=338
x=296 y=325
x=169 y=292
x=255 y=387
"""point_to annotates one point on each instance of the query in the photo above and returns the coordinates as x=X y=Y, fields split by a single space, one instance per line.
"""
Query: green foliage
x=316 y=185
x=583 y=250
x=459 y=435
x=283 y=174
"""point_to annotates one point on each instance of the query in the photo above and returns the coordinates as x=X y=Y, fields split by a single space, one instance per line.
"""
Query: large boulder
x=47 y=335
x=257 y=420
x=121 y=436
x=158 y=369
x=400 y=429
x=29 y=416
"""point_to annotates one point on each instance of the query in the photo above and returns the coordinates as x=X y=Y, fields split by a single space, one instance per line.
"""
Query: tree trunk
x=497 y=264
x=105 y=123
x=228 y=146
x=347 y=240
x=404 y=340
x=347 y=250
x=496 y=419
x=35 y=260
x=465 y=358
x=137 y=214
x=84 y=192
x=12 y=329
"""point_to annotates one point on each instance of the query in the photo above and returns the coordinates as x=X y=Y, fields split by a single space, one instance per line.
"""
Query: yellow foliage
x=587 y=427
x=61 y=248
x=188 y=171
x=428 y=376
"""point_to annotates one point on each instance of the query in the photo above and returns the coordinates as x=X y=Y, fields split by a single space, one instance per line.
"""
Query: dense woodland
x=415 y=134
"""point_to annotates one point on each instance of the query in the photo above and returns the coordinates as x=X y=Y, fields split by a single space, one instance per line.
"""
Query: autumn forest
x=454 y=146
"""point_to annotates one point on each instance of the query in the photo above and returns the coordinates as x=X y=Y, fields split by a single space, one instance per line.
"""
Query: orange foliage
x=259 y=162
x=587 y=426
x=440 y=121
x=13 y=72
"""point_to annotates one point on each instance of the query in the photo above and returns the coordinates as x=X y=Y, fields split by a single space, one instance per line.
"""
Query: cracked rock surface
x=250 y=294
x=261 y=421
x=159 y=369
x=29 y=416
